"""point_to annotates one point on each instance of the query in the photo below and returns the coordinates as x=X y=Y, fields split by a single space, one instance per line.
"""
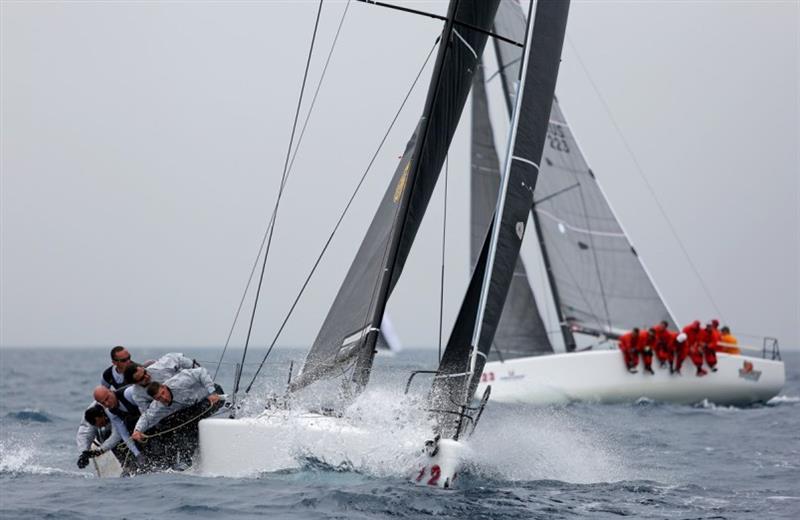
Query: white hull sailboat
x=601 y=377
x=594 y=287
x=345 y=346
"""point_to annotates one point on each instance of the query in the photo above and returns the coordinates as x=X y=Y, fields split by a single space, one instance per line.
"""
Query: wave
x=30 y=415
x=19 y=458
x=780 y=400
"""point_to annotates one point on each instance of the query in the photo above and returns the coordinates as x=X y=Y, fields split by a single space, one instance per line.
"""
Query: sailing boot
x=701 y=372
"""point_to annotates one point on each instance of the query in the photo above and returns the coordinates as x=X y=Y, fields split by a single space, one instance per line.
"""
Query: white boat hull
x=268 y=443
x=279 y=440
x=600 y=376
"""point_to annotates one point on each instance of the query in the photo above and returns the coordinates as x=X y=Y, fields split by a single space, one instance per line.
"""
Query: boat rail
x=769 y=349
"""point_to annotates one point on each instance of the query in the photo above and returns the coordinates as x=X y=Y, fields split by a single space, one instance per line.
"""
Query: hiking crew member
x=679 y=350
x=121 y=411
x=648 y=347
x=162 y=369
x=707 y=339
x=114 y=376
x=184 y=389
x=630 y=344
x=728 y=342
x=94 y=429
x=664 y=338
x=692 y=332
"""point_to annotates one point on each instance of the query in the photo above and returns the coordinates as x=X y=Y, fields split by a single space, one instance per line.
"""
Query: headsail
x=462 y=362
x=521 y=331
x=350 y=330
x=601 y=282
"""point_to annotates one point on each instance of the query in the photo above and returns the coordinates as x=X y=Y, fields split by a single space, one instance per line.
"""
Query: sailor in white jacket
x=184 y=389
x=95 y=434
x=162 y=369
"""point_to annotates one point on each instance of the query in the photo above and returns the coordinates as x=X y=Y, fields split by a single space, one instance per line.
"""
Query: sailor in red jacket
x=631 y=344
x=664 y=337
x=692 y=332
x=678 y=349
x=707 y=340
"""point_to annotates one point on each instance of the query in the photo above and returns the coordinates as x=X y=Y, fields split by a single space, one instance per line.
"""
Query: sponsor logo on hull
x=748 y=372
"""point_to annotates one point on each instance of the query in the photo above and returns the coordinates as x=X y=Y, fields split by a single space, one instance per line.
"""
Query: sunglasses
x=123 y=360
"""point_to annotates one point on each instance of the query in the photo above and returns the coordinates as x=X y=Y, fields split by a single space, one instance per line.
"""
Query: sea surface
x=642 y=460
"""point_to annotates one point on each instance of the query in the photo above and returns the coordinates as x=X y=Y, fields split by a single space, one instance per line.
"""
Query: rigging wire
x=444 y=235
x=291 y=165
x=341 y=217
x=640 y=171
x=280 y=190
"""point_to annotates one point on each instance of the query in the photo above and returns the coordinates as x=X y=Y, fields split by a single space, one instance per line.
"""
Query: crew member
x=94 y=430
x=707 y=340
x=692 y=332
x=114 y=376
x=648 y=346
x=631 y=344
x=184 y=389
x=728 y=342
x=663 y=338
x=679 y=350
x=162 y=369
x=121 y=411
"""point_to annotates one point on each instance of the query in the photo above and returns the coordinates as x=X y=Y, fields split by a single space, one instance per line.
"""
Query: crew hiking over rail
x=146 y=414
x=671 y=348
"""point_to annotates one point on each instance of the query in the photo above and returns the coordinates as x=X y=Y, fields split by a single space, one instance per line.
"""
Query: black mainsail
x=349 y=332
x=463 y=361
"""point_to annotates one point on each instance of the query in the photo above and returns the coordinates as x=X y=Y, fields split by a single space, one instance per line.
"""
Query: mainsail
x=463 y=361
x=350 y=330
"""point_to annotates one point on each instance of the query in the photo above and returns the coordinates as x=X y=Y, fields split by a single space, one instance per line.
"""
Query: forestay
x=350 y=330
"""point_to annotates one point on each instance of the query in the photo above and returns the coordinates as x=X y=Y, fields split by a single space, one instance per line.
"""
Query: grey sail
x=348 y=335
x=601 y=282
x=462 y=362
x=521 y=332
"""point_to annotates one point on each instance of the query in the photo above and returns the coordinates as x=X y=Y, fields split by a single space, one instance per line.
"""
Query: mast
x=463 y=362
x=509 y=23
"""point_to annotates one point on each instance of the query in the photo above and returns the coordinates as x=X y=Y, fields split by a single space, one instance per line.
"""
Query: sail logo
x=512 y=375
x=401 y=184
x=520 y=229
x=748 y=372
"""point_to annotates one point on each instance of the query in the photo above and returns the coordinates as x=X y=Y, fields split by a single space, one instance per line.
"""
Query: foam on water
x=545 y=444
x=20 y=457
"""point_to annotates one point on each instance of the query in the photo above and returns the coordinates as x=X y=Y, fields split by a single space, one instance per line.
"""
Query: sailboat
x=345 y=346
x=595 y=281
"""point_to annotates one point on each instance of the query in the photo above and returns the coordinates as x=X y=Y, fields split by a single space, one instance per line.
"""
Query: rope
x=444 y=236
x=169 y=430
x=291 y=165
x=280 y=192
x=341 y=217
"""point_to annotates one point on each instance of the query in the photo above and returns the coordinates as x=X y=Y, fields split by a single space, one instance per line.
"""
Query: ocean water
x=643 y=460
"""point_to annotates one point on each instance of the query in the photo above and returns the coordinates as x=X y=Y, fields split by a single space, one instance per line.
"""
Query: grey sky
x=142 y=146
